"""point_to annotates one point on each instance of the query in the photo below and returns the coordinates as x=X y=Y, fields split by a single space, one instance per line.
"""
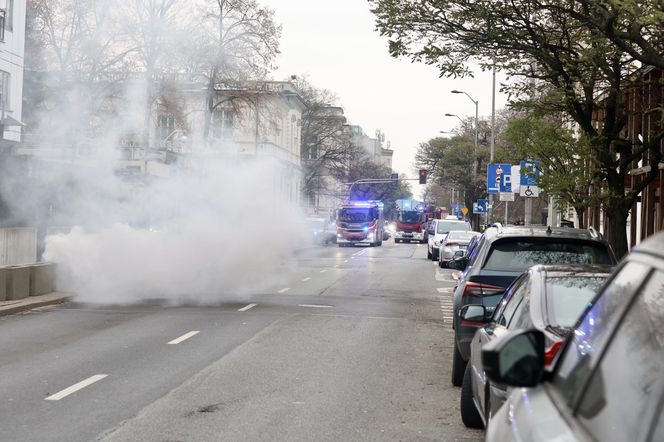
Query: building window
x=10 y=15
x=222 y=123
x=165 y=126
x=3 y=20
x=4 y=91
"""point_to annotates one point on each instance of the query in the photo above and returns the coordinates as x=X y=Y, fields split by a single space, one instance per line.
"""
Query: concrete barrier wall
x=19 y=282
x=18 y=246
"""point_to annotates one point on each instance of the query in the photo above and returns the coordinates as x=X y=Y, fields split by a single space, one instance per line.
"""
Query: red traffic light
x=423 y=176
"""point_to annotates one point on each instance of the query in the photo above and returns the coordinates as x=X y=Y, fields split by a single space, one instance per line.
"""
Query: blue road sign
x=456 y=210
x=530 y=172
x=494 y=174
x=506 y=183
x=480 y=206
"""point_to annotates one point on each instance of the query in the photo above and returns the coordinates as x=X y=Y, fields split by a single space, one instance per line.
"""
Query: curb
x=32 y=302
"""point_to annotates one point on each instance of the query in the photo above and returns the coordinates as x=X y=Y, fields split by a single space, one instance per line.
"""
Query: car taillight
x=551 y=352
x=478 y=289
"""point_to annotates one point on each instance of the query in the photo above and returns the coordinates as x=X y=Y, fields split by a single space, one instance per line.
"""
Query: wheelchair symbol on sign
x=528 y=192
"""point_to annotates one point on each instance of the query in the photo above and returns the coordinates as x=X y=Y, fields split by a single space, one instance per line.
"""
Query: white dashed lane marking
x=306 y=279
x=246 y=307
x=284 y=290
x=184 y=337
x=74 y=388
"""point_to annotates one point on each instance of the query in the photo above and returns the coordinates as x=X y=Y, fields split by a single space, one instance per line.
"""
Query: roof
x=653 y=245
x=572 y=268
x=541 y=231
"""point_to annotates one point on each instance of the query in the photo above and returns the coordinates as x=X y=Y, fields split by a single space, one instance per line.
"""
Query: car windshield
x=409 y=216
x=568 y=296
x=447 y=226
x=462 y=236
x=518 y=255
x=356 y=215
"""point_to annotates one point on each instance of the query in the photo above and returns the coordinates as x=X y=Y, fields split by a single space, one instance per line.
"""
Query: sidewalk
x=31 y=302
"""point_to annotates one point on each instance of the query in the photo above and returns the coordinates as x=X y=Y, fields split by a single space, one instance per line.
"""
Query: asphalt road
x=351 y=344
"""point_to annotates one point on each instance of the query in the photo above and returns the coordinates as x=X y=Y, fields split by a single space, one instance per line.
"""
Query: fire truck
x=360 y=222
x=411 y=219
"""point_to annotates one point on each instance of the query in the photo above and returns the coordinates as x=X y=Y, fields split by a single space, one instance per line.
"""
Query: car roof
x=653 y=245
x=552 y=269
x=541 y=232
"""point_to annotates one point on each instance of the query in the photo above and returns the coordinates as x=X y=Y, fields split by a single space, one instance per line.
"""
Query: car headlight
x=436 y=243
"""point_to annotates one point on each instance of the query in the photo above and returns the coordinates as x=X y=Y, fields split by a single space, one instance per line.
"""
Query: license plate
x=462 y=247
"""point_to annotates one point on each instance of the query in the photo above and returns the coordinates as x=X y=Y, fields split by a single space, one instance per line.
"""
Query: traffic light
x=395 y=180
x=423 y=176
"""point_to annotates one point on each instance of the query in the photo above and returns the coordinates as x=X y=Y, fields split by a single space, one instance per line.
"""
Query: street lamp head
x=450 y=115
x=457 y=92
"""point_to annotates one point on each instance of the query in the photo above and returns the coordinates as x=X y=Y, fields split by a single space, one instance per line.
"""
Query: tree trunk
x=617 y=235
x=580 y=214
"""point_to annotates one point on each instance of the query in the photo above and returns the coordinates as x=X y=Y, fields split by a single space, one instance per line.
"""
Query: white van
x=438 y=230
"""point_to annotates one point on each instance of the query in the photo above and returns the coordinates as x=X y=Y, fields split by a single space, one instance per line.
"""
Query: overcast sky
x=335 y=44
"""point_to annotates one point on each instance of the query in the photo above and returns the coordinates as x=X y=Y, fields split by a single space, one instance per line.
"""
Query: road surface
x=351 y=344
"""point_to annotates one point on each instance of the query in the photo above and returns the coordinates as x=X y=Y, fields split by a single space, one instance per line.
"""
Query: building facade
x=12 y=49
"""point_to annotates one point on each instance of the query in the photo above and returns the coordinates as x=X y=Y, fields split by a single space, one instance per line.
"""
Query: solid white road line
x=74 y=388
x=246 y=307
x=315 y=306
x=306 y=279
x=184 y=337
x=284 y=290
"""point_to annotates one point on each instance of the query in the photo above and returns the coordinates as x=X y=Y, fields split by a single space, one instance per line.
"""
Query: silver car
x=454 y=241
x=608 y=381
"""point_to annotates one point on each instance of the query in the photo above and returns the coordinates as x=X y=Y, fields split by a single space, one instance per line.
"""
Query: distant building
x=12 y=48
x=372 y=146
x=325 y=157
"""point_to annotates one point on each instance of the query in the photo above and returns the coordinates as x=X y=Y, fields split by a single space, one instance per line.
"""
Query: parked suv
x=501 y=255
x=607 y=384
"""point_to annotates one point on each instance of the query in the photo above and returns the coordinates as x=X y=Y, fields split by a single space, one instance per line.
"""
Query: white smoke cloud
x=213 y=236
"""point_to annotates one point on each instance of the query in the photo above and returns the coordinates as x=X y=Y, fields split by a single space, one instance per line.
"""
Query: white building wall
x=12 y=50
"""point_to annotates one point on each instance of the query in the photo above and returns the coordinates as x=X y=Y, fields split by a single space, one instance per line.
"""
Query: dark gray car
x=501 y=255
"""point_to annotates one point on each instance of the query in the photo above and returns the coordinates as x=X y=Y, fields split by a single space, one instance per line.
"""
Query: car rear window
x=518 y=255
x=568 y=296
x=461 y=236
x=446 y=226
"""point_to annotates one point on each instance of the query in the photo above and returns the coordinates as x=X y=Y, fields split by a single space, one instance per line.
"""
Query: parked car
x=438 y=230
x=454 y=241
x=501 y=255
x=547 y=298
x=322 y=230
x=608 y=381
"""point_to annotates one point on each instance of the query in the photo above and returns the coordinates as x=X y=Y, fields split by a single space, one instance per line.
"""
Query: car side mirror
x=474 y=313
x=459 y=262
x=515 y=359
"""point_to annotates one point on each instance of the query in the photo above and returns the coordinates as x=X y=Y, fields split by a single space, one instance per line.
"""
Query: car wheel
x=458 y=367
x=434 y=255
x=428 y=253
x=469 y=415
x=396 y=240
x=440 y=264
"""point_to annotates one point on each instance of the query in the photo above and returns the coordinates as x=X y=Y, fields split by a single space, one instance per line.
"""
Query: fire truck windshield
x=409 y=217
x=357 y=215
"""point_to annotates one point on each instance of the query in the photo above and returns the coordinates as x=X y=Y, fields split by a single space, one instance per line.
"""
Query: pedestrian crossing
x=446 y=304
